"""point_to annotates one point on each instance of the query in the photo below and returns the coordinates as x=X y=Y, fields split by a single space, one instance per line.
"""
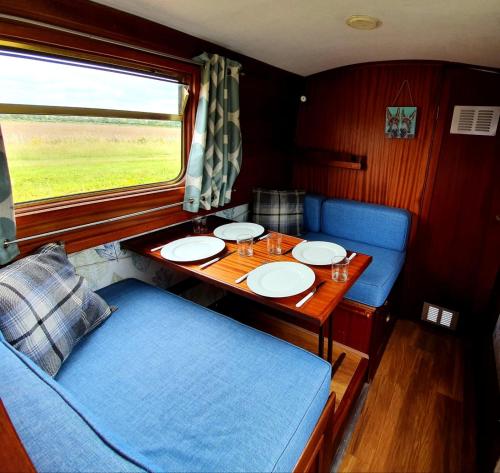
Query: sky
x=36 y=82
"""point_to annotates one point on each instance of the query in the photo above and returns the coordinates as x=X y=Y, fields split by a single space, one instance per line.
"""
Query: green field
x=61 y=157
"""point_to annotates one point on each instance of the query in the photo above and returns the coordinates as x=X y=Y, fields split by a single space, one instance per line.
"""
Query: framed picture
x=400 y=122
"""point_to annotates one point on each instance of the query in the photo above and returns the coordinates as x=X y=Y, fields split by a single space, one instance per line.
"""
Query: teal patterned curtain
x=7 y=222
x=215 y=156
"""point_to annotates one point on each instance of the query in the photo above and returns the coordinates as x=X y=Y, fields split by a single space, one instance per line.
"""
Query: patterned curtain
x=215 y=156
x=7 y=222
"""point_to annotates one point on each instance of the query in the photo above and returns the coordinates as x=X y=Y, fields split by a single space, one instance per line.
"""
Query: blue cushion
x=379 y=225
x=374 y=285
x=312 y=212
x=194 y=390
x=57 y=432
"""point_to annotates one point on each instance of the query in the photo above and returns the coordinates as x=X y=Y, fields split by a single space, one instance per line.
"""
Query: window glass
x=72 y=128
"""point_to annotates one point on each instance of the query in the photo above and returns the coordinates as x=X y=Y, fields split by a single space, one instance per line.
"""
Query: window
x=73 y=127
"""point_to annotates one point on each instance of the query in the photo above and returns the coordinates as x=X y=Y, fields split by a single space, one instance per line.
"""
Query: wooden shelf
x=330 y=158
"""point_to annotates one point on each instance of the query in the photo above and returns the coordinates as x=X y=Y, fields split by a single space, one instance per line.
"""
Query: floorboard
x=413 y=418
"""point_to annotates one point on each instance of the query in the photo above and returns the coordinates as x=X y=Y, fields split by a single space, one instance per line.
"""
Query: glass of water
x=245 y=244
x=200 y=225
x=274 y=243
x=340 y=270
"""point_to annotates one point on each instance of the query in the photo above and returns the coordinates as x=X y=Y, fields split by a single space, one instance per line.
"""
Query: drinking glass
x=274 y=243
x=200 y=225
x=245 y=244
x=340 y=270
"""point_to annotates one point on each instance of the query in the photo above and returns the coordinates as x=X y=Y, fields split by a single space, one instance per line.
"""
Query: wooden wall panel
x=345 y=112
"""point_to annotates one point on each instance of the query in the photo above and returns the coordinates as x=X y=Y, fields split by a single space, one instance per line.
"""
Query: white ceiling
x=309 y=36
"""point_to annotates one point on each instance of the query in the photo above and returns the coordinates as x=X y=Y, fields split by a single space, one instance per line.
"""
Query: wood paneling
x=268 y=100
x=345 y=113
x=413 y=418
x=13 y=456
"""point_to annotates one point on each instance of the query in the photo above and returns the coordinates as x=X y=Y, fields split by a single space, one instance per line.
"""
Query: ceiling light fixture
x=363 y=22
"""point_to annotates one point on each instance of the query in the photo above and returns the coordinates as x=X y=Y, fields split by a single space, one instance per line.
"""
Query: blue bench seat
x=375 y=230
x=183 y=389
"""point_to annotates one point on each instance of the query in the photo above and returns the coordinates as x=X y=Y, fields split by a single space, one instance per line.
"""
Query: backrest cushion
x=46 y=308
x=312 y=212
x=279 y=210
x=58 y=433
x=378 y=225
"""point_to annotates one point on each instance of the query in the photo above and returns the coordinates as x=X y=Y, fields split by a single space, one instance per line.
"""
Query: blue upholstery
x=312 y=212
x=374 y=285
x=386 y=227
x=192 y=390
x=375 y=230
x=55 y=429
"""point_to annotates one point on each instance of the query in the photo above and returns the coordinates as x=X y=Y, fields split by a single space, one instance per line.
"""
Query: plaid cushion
x=281 y=211
x=46 y=308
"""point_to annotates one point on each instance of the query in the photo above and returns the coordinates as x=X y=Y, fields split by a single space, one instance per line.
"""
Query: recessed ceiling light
x=363 y=22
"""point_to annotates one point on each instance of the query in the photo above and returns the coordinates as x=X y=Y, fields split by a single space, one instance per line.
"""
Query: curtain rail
x=6 y=243
x=97 y=38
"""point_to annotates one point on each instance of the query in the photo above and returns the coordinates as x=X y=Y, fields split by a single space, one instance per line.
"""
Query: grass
x=52 y=159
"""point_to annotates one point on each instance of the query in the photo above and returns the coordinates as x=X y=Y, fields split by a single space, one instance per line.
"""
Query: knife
x=291 y=249
x=242 y=278
x=306 y=298
x=212 y=261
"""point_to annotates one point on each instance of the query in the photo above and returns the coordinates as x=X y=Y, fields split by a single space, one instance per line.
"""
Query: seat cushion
x=46 y=308
x=194 y=390
x=58 y=433
x=374 y=285
x=378 y=225
x=279 y=210
x=312 y=212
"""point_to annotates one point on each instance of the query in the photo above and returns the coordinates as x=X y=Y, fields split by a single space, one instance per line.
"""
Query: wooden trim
x=13 y=456
x=344 y=409
x=315 y=454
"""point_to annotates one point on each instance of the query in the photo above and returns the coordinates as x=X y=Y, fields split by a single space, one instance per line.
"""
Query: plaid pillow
x=281 y=211
x=46 y=308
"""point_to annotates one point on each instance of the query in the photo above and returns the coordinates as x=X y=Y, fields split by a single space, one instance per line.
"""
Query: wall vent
x=440 y=316
x=472 y=120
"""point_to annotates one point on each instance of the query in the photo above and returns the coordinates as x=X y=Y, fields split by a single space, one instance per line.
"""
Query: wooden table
x=317 y=311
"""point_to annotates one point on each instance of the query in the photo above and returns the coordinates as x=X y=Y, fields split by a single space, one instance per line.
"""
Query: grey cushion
x=46 y=308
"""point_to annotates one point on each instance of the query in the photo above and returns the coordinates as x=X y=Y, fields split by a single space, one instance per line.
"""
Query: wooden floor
x=413 y=419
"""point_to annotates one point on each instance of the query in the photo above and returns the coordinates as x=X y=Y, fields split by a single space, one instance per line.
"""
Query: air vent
x=440 y=316
x=471 y=120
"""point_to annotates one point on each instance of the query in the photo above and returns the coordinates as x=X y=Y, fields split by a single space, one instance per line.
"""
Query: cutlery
x=212 y=261
x=351 y=257
x=263 y=236
x=152 y=250
x=242 y=278
x=306 y=298
x=291 y=249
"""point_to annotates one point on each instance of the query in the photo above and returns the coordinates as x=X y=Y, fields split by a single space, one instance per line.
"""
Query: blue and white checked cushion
x=46 y=308
x=281 y=211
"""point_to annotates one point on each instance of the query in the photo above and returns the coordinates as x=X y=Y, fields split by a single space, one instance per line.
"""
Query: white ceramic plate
x=319 y=252
x=231 y=231
x=190 y=249
x=281 y=279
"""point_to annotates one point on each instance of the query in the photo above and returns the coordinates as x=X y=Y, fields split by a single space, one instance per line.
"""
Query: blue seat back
x=378 y=225
x=312 y=212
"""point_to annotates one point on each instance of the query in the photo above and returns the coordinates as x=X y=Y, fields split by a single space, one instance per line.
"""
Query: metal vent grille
x=440 y=316
x=472 y=120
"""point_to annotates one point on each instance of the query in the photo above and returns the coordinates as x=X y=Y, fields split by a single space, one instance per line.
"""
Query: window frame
x=47 y=215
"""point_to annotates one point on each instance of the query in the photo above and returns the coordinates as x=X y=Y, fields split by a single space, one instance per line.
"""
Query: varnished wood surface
x=13 y=456
x=345 y=113
x=225 y=272
x=413 y=418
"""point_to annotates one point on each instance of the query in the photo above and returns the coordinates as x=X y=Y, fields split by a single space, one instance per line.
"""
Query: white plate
x=281 y=279
x=192 y=249
x=319 y=252
x=231 y=231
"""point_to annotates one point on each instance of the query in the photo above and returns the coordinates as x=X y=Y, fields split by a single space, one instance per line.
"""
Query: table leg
x=321 y=341
x=330 y=339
